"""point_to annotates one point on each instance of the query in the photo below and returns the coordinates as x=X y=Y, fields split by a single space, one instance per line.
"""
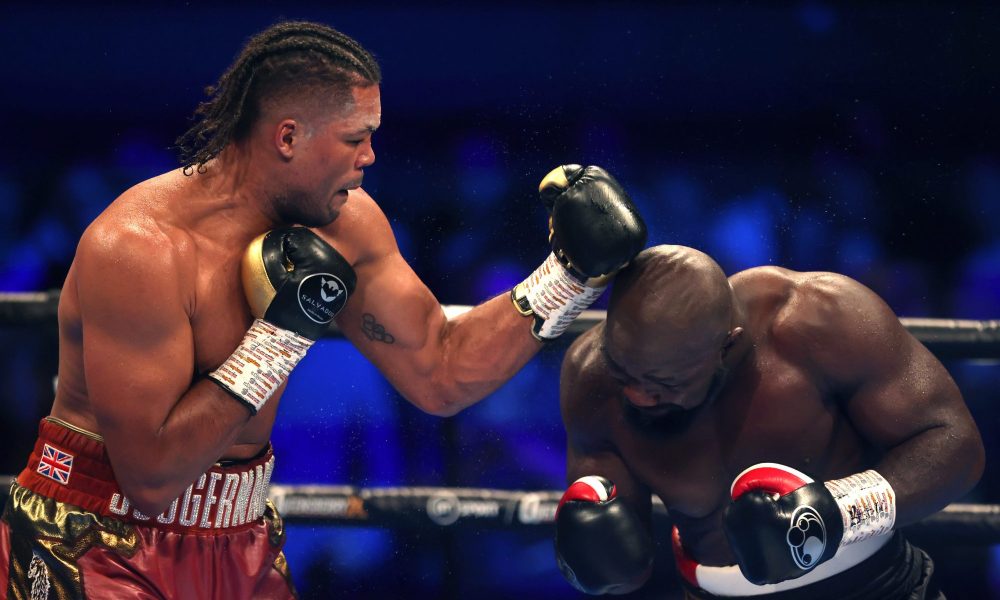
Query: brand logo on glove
x=322 y=296
x=806 y=537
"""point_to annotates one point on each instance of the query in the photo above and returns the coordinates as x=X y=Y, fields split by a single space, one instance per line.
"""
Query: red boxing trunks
x=67 y=531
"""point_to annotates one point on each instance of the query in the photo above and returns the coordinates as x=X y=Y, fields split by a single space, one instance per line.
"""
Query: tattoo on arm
x=374 y=330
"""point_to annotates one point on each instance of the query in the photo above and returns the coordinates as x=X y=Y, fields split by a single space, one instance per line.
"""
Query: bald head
x=671 y=297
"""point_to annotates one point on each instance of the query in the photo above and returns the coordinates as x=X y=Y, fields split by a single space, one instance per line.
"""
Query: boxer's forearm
x=155 y=467
x=478 y=352
x=931 y=470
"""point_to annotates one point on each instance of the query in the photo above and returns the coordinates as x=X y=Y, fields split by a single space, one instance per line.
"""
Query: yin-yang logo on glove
x=322 y=296
x=806 y=537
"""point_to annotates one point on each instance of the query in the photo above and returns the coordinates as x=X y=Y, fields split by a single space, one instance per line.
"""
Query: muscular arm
x=160 y=431
x=441 y=365
x=898 y=396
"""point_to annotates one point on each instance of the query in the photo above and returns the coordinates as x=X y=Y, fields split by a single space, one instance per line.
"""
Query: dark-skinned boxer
x=788 y=421
x=193 y=296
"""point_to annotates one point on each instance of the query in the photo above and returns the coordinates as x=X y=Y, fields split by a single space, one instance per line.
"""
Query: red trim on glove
x=585 y=489
x=769 y=477
x=686 y=566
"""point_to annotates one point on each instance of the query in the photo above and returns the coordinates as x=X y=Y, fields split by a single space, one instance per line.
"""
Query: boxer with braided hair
x=300 y=58
x=193 y=296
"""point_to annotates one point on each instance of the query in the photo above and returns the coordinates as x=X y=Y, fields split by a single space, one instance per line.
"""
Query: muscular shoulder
x=586 y=390
x=831 y=303
x=133 y=242
x=829 y=321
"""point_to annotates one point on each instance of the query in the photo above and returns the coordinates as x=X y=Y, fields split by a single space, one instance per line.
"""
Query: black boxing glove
x=295 y=284
x=781 y=524
x=594 y=230
x=601 y=544
x=295 y=280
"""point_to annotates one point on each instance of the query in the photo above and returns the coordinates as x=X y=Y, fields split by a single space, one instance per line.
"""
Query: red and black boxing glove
x=601 y=544
x=781 y=524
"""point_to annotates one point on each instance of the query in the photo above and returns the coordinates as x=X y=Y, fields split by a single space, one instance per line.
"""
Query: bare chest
x=777 y=413
x=220 y=315
x=219 y=320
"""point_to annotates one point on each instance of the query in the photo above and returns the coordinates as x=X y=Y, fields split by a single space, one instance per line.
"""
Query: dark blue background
x=859 y=138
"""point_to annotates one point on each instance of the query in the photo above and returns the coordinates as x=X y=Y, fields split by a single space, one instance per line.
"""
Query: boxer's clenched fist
x=594 y=230
x=601 y=544
x=782 y=524
x=295 y=284
x=296 y=281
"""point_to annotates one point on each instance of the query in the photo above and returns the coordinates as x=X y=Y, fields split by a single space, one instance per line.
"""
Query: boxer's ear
x=286 y=136
x=734 y=334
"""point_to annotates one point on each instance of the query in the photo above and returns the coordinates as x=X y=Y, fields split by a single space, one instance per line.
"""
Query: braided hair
x=292 y=58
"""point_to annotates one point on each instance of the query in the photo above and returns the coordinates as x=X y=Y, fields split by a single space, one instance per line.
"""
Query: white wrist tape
x=867 y=504
x=261 y=363
x=554 y=296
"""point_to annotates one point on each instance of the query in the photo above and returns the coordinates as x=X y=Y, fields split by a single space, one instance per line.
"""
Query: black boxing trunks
x=896 y=571
x=68 y=532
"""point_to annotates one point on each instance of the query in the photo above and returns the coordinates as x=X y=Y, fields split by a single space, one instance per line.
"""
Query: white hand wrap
x=554 y=296
x=867 y=504
x=261 y=363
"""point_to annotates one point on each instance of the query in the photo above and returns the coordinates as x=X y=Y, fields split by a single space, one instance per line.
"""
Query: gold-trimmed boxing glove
x=594 y=230
x=295 y=284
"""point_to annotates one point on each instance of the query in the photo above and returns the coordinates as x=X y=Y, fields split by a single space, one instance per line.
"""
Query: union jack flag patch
x=55 y=464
